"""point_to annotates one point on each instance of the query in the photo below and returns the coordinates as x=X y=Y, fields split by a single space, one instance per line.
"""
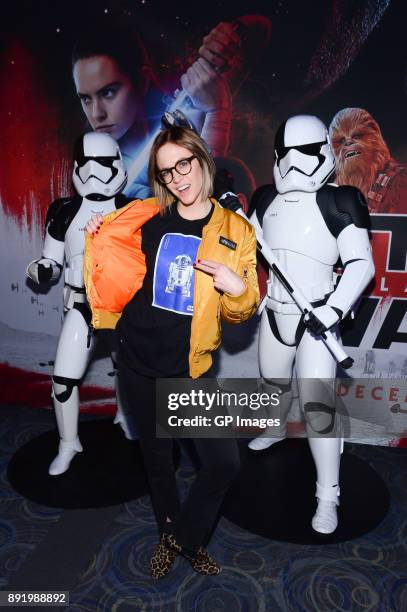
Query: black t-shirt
x=155 y=326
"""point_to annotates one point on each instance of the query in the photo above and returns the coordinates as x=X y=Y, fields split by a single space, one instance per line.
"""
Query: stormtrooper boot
x=325 y=519
x=66 y=404
x=121 y=420
x=268 y=437
x=264 y=440
x=66 y=452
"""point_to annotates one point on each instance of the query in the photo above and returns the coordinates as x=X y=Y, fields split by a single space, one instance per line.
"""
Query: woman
x=172 y=324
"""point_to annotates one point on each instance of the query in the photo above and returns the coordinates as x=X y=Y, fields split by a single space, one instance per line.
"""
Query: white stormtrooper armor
x=309 y=225
x=98 y=172
x=304 y=159
x=99 y=176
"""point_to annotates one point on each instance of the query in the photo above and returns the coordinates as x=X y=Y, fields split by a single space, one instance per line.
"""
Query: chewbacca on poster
x=364 y=161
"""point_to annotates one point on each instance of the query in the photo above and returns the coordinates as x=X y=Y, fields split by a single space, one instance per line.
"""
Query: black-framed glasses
x=183 y=166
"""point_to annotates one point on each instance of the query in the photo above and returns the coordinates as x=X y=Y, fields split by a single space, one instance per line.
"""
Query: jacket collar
x=142 y=207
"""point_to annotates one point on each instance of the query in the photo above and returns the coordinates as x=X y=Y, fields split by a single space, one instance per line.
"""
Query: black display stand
x=274 y=495
x=109 y=471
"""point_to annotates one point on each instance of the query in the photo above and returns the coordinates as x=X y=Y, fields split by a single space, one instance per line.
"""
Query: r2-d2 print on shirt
x=180 y=275
x=173 y=284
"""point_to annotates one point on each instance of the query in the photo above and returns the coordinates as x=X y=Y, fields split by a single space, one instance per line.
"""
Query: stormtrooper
x=99 y=177
x=309 y=224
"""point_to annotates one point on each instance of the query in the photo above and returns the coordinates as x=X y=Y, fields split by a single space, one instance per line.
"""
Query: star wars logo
x=379 y=320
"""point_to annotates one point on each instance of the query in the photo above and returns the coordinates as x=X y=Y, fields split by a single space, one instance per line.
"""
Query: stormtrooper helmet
x=98 y=172
x=304 y=158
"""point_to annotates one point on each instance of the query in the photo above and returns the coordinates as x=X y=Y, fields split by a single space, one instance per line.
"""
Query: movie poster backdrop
x=340 y=61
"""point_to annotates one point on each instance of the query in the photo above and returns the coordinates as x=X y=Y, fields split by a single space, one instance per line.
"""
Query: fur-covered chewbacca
x=364 y=161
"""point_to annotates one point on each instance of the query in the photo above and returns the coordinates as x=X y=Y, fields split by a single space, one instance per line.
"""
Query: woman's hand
x=94 y=223
x=224 y=279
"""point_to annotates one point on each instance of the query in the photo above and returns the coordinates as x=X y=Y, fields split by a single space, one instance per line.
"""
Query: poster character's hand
x=207 y=89
x=235 y=49
x=221 y=46
x=94 y=224
x=322 y=318
x=224 y=279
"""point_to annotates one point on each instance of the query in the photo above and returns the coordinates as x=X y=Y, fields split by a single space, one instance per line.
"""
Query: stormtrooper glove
x=322 y=318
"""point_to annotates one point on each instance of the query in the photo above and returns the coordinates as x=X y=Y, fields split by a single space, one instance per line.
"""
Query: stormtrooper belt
x=73 y=295
x=289 y=308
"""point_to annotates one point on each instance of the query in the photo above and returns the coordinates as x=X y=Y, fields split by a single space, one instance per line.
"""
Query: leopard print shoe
x=164 y=556
x=171 y=543
x=203 y=563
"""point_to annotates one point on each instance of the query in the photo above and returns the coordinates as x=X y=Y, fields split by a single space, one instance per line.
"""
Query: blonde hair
x=188 y=139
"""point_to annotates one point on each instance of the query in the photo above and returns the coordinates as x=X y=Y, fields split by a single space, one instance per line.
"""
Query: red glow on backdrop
x=33 y=390
x=29 y=129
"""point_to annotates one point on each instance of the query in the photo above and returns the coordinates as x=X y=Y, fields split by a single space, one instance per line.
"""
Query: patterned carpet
x=367 y=574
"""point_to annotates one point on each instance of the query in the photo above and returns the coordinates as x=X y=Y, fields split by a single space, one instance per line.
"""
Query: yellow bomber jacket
x=114 y=269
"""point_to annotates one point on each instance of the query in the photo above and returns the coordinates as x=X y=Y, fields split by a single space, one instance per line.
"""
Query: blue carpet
x=365 y=574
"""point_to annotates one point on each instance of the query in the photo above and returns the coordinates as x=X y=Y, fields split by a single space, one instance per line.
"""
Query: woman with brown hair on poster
x=168 y=331
x=112 y=73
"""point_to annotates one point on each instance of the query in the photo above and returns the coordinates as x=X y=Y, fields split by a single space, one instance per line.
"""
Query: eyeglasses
x=183 y=166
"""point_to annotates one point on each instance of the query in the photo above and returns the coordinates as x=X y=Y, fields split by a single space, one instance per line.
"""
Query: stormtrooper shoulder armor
x=60 y=215
x=54 y=209
x=341 y=207
x=261 y=200
x=352 y=201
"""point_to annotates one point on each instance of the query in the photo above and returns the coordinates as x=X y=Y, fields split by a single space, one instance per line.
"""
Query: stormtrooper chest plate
x=75 y=238
x=293 y=222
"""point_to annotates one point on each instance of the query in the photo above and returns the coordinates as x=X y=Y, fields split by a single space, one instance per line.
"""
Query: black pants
x=192 y=522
